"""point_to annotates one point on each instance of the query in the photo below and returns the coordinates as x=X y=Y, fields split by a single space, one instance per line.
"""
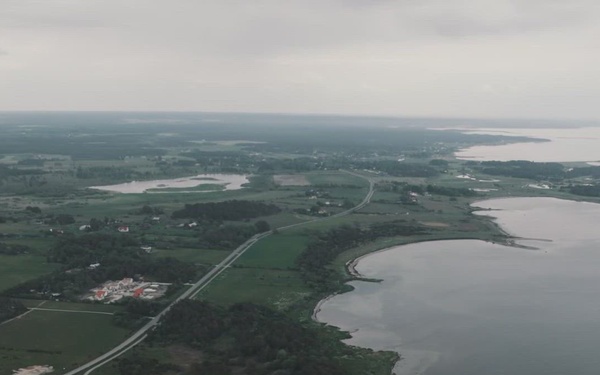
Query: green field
x=59 y=339
x=72 y=306
x=335 y=178
x=196 y=256
x=275 y=288
x=276 y=251
x=16 y=269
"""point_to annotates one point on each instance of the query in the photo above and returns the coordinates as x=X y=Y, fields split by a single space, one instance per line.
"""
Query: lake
x=468 y=307
x=220 y=182
x=564 y=145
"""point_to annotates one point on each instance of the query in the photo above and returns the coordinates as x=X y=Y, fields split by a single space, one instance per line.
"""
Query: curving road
x=192 y=291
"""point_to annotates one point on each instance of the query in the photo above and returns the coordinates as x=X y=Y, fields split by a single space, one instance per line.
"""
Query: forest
x=522 y=169
x=592 y=190
x=534 y=170
x=243 y=339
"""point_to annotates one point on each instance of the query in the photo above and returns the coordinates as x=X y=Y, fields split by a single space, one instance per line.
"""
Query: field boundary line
x=71 y=311
x=22 y=315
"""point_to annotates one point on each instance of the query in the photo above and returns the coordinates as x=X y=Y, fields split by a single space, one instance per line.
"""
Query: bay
x=471 y=307
x=561 y=145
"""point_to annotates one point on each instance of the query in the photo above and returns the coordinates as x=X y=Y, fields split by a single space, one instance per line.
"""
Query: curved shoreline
x=355 y=275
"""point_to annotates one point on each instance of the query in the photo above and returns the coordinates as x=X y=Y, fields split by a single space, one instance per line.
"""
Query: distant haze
x=443 y=58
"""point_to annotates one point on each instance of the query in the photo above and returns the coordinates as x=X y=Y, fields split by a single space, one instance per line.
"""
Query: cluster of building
x=113 y=291
x=34 y=370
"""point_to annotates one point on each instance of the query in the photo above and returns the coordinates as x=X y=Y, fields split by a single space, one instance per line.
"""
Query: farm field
x=271 y=287
x=59 y=339
x=16 y=269
x=278 y=251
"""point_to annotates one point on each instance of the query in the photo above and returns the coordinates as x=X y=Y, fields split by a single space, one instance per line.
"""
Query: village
x=113 y=291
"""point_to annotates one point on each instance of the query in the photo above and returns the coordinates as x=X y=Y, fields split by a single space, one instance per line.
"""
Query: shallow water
x=468 y=307
x=229 y=181
x=565 y=145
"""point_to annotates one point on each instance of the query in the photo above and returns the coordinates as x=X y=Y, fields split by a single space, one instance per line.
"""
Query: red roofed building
x=138 y=292
x=100 y=294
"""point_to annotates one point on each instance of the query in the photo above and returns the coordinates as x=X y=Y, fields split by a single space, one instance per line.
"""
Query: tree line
x=400 y=169
x=533 y=170
x=13 y=249
x=244 y=338
x=314 y=261
x=225 y=211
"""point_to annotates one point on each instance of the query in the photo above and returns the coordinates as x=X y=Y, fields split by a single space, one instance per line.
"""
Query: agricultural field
x=59 y=339
x=274 y=288
x=18 y=269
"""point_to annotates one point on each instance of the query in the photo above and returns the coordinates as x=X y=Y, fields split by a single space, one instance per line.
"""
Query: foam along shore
x=221 y=182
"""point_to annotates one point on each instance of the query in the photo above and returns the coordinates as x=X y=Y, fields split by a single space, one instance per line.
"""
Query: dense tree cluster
x=61 y=219
x=585 y=190
x=137 y=365
x=6 y=172
x=300 y=164
x=137 y=312
x=227 y=210
x=440 y=163
x=592 y=171
x=248 y=339
x=9 y=308
x=450 y=191
x=523 y=169
x=223 y=161
x=400 y=169
x=33 y=209
x=13 y=249
x=326 y=247
x=111 y=173
x=149 y=210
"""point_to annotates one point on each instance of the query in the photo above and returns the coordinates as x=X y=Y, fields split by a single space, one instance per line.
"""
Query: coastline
x=408 y=362
x=415 y=362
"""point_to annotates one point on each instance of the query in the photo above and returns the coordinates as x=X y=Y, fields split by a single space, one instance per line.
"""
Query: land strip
x=139 y=336
x=72 y=311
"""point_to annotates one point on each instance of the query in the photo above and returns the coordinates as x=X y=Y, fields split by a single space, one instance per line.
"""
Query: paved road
x=191 y=292
x=135 y=338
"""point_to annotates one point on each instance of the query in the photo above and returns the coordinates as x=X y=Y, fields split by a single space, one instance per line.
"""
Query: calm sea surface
x=467 y=307
x=566 y=145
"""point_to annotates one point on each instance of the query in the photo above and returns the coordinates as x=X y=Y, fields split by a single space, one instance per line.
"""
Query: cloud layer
x=490 y=58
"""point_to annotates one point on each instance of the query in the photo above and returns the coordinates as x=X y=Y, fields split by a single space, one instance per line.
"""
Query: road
x=198 y=286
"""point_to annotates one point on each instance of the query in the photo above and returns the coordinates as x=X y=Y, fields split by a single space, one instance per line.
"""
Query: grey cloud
x=428 y=57
x=314 y=26
x=55 y=14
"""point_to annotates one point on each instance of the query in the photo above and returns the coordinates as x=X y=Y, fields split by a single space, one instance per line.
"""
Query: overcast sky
x=456 y=58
